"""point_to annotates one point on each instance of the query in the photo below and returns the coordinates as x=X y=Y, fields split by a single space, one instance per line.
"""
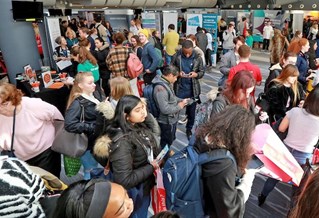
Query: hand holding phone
x=162 y=154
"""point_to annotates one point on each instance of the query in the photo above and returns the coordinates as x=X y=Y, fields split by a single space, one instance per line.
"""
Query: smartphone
x=186 y=75
x=255 y=163
x=162 y=154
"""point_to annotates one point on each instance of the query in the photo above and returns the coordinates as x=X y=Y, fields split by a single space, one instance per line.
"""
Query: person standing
x=190 y=66
x=170 y=40
x=201 y=39
x=84 y=33
x=244 y=64
x=267 y=33
x=34 y=131
x=243 y=26
x=169 y=105
x=150 y=59
x=228 y=37
x=229 y=60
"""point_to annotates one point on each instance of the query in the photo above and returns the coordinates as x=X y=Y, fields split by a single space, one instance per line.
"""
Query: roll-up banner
x=210 y=24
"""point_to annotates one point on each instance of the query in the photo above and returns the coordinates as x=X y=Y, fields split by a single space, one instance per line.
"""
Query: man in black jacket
x=190 y=66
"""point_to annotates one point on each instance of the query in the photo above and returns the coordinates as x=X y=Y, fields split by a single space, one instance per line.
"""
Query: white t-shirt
x=303 y=132
x=267 y=31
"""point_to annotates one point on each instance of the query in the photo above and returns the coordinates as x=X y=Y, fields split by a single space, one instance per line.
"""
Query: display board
x=169 y=18
x=193 y=21
x=52 y=30
x=210 y=24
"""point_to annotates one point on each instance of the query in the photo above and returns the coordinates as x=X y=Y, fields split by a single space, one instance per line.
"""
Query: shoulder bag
x=67 y=143
x=10 y=153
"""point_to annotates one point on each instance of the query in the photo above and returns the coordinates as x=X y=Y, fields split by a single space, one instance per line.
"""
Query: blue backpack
x=183 y=182
x=148 y=93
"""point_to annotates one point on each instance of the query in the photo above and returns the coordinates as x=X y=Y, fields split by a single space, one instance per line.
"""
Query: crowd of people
x=106 y=105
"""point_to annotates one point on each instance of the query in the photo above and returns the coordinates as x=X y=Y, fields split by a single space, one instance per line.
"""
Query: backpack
x=134 y=66
x=160 y=56
x=148 y=93
x=203 y=112
x=98 y=32
x=183 y=182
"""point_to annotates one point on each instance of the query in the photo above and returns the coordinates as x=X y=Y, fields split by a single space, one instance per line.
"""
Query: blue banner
x=210 y=24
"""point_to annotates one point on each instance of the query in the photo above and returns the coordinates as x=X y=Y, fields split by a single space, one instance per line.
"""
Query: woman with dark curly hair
x=230 y=130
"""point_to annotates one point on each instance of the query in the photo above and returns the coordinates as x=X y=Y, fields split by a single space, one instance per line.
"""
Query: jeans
x=266 y=44
x=88 y=162
x=168 y=59
x=301 y=159
x=191 y=113
x=142 y=211
x=168 y=132
x=225 y=50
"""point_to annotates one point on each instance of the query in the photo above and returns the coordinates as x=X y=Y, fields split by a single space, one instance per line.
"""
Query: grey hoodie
x=166 y=101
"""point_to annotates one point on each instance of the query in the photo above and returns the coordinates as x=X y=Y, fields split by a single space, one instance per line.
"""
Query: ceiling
x=178 y=4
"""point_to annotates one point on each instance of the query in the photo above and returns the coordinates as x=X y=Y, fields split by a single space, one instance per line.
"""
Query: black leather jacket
x=72 y=120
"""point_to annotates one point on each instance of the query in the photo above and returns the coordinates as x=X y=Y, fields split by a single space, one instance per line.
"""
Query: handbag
x=263 y=102
x=67 y=143
x=315 y=156
x=71 y=165
x=10 y=153
x=158 y=193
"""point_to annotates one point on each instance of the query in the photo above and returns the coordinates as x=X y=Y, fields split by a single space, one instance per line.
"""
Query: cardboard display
x=278 y=161
x=47 y=79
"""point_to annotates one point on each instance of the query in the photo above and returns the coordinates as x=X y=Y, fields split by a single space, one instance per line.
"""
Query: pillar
x=17 y=42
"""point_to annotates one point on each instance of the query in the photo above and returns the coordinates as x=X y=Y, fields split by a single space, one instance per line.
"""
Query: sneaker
x=189 y=134
x=183 y=120
x=261 y=199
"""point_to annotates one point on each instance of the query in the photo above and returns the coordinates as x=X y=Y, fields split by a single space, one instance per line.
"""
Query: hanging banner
x=149 y=20
x=193 y=21
x=210 y=24
x=169 y=18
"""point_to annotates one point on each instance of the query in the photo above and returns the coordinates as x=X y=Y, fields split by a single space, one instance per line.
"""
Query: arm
x=121 y=159
x=284 y=124
x=139 y=52
x=227 y=199
x=225 y=63
x=277 y=103
x=45 y=111
x=161 y=96
x=155 y=60
x=72 y=120
x=259 y=78
x=219 y=105
x=198 y=67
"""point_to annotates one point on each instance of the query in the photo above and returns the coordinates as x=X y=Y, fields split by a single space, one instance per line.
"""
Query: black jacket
x=100 y=56
x=72 y=121
x=220 y=193
x=128 y=155
x=197 y=67
x=278 y=96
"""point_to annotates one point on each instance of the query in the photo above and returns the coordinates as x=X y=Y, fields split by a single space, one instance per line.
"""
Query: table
x=56 y=97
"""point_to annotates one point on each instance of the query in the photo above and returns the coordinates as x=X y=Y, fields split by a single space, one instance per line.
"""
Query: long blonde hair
x=120 y=86
x=289 y=70
x=76 y=91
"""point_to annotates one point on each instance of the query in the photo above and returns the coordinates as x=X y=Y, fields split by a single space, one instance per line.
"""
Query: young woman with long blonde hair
x=284 y=92
x=80 y=116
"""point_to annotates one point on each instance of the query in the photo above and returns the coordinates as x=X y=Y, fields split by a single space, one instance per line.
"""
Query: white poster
x=169 y=18
x=53 y=26
x=193 y=21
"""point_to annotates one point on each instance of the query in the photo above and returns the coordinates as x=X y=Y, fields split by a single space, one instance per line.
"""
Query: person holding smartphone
x=169 y=105
x=191 y=70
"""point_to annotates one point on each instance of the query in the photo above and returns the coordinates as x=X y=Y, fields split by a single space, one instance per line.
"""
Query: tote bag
x=67 y=143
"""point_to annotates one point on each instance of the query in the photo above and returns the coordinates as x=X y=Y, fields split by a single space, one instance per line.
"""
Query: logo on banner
x=194 y=21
